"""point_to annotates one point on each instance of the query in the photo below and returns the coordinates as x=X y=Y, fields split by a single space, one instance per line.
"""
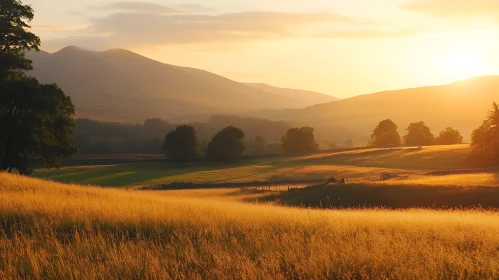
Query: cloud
x=459 y=10
x=58 y=27
x=369 y=34
x=153 y=8
x=125 y=29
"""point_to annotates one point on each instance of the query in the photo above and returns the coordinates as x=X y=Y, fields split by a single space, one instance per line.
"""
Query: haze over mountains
x=121 y=85
x=462 y=105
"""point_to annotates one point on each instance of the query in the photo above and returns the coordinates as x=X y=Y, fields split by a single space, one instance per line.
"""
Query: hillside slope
x=306 y=97
x=121 y=85
x=462 y=105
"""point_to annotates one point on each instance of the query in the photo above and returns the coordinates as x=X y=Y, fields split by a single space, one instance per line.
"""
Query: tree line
x=182 y=144
x=99 y=137
x=418 y=134
x=484 y=139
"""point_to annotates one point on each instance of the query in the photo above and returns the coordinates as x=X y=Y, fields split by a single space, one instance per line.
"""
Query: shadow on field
x=390 y=196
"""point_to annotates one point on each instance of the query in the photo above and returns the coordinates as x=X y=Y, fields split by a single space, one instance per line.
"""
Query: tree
x=36 y=121
x=15 y=39
x=419 y=135
x=226 y=145
x=485 y=141
x=299 y=140
x=449 y=137
x=385 y=134
x=182 y=144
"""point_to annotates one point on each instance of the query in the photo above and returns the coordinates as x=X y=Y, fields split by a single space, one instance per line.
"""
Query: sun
x=460 y=62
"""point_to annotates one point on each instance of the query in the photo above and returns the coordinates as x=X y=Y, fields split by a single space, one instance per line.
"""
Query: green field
x=364 y=164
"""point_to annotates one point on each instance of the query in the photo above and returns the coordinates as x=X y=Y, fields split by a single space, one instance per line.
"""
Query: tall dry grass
x=55 y=231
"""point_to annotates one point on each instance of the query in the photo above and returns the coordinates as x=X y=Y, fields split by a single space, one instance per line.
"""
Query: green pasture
x=366 y=163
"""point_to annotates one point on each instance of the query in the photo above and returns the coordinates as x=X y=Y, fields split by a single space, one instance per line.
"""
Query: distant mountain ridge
x=462 y=105
x=120 y=85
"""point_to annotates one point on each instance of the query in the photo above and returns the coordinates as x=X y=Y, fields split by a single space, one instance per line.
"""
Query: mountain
x=462 y=105
x=122 y=86
x=304 y=97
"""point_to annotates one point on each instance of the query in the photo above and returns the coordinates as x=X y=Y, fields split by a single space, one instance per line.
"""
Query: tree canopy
x=485 y=141
x=299 y=140
x=15 y=39
x=385 y=134
x=418 y=134
x=226 y=145
x=449 y=136
x=36 y=121
x=182 y=145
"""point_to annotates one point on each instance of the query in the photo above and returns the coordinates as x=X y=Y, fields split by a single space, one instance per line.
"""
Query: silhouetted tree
x=485 y=141
x=226 y=145
x=449 y=137
x=385 y=134
x=15 y=39
x=418 y=134
x=299 y=140
x=182 y=145
x=36 y=121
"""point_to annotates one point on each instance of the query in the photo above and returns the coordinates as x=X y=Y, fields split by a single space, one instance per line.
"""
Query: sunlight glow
x=461 y=62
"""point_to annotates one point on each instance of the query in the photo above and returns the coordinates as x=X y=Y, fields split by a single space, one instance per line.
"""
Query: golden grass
x=56 y=231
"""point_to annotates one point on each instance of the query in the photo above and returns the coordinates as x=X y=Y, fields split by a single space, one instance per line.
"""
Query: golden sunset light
x=249 y=139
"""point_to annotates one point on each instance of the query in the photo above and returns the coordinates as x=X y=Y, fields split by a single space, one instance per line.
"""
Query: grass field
x=360 y=164
x=53 y=231
x=416 y=226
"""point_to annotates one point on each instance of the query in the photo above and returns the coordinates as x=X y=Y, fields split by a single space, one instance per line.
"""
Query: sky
x=337 y=47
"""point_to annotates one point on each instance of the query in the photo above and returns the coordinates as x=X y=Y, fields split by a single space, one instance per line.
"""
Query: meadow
x=416 y=226
x=52 y=231
x=359 y=164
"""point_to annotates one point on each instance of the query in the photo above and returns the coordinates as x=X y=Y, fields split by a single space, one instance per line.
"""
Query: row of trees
x=484 y=139
x=182 y=145
x=418 y=134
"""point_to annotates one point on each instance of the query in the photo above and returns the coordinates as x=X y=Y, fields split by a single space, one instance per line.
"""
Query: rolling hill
x=462 y=105
x=296 y=95
x=122 y=86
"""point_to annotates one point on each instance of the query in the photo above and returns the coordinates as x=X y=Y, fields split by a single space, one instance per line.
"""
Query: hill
x=462 y=105
x=120 y=85
x=297 y=95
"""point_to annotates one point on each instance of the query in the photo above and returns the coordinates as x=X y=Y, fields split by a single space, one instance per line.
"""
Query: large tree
x=449 y=136
x=299 y=140
x=226 y=145
x=15 y=39
x=36 y=121
x=485 y=141
x=182 y=145
x=418 y=134
x=385 y=134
